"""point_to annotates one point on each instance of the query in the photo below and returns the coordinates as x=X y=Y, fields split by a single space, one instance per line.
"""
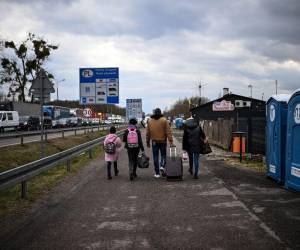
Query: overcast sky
x=164 y=48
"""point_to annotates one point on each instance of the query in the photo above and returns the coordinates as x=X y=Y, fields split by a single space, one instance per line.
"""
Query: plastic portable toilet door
x=293 y=142
x=274 y=140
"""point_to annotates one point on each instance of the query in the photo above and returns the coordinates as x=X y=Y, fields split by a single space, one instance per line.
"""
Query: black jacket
x=193 y=137
x=141 y=146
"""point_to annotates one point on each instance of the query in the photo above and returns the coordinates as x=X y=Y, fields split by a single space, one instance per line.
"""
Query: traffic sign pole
x=42 y=117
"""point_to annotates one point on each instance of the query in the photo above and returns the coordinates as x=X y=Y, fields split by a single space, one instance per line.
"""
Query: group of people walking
x=158 y=133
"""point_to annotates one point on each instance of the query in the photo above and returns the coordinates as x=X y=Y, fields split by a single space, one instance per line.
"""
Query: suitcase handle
x=175 y=151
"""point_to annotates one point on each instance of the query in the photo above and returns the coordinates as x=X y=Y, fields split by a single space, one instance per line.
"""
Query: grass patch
x=256 y=165
x=14 y=156
x=10 y=200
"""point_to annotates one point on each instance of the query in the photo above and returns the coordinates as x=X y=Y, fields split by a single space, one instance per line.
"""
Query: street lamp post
x=250 y=87
x=62 y=80
x=200 y=94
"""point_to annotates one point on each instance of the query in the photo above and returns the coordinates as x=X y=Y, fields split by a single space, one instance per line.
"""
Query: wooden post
x=68 y=165
x=241 y=147
x=23 y=189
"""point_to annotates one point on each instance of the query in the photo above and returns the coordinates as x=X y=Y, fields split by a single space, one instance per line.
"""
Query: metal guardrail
x=55 y=131
x=23 y=173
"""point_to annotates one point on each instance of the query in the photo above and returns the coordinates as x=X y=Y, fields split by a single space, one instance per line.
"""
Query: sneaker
x=131 y=177
x=196 y=176
x=109 y=178
x=156 y=176
x=162 y=171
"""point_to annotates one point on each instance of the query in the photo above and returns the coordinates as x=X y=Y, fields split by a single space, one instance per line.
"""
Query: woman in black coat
x=192 y=143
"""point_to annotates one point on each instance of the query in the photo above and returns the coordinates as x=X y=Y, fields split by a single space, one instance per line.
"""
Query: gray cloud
x=167 y=45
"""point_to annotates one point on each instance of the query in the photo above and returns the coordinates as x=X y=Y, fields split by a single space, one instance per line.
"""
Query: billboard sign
x=223 y=106
x=99 y=85
x=134 y=109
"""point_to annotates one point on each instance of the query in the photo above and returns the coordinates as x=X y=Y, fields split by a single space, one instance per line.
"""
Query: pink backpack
x=132 y=138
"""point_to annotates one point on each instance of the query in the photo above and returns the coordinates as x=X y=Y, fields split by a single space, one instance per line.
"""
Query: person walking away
x=133 y=143
x=192 y=143
x=112 y=147
x=158 y=132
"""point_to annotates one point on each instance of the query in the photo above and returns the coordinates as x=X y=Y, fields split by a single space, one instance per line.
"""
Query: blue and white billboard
x=99 y=85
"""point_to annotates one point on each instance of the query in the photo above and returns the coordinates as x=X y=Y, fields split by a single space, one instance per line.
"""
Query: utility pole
x=276 y=86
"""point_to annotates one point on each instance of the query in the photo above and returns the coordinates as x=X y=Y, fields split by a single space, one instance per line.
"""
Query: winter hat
x=157 y=111
x=112 y=130
x=133 y=121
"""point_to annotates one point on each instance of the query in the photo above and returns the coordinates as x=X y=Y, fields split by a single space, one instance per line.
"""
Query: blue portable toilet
x=292 y=174
x=276 y=136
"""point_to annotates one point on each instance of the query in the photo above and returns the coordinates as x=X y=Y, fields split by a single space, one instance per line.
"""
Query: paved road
x=4 y=142
x=226 y=208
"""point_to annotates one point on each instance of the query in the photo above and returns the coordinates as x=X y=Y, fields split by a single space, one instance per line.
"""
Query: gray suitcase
x=174 y=169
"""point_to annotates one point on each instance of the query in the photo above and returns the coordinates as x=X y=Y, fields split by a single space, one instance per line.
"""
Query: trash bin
x=276 y=136
x=236 y=137
x=239 y=143
x=292 y=174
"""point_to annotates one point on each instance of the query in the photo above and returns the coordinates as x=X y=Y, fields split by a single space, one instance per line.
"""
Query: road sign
x=134 y=109
x=99 y=85
x=87 y=112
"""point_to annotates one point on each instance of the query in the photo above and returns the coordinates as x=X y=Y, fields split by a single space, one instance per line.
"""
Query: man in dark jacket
x=192 y=143
x=133 y=148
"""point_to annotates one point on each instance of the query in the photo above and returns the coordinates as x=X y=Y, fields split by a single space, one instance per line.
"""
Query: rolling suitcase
x=174 y=166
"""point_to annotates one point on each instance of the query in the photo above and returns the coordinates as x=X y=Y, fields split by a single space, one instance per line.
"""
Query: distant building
x=232 y=113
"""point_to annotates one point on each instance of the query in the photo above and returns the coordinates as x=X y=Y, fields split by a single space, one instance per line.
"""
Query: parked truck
x=28 y=114
x=8 y=120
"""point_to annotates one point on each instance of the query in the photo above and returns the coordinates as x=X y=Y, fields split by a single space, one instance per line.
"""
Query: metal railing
x=86 y=129
x=25 y=172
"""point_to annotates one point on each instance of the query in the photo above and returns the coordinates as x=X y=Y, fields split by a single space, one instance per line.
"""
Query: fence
x=86 y=129
x=220 y=132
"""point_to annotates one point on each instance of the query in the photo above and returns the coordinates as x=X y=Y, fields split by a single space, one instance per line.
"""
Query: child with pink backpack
x=133 y=143
x=112 y=145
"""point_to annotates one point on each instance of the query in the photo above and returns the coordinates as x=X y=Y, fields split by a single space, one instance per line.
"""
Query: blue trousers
x=156 y=148
x=194 y=161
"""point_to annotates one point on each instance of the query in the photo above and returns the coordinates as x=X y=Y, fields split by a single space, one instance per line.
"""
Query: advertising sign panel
x=134 y=109
x=223 y=106
x=99 y=85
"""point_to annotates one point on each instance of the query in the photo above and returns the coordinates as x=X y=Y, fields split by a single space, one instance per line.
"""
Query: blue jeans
x=156 y=148
x=194 y=160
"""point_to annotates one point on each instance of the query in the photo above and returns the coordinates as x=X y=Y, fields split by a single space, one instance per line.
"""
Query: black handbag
x=206 y=149
x=143 y=161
